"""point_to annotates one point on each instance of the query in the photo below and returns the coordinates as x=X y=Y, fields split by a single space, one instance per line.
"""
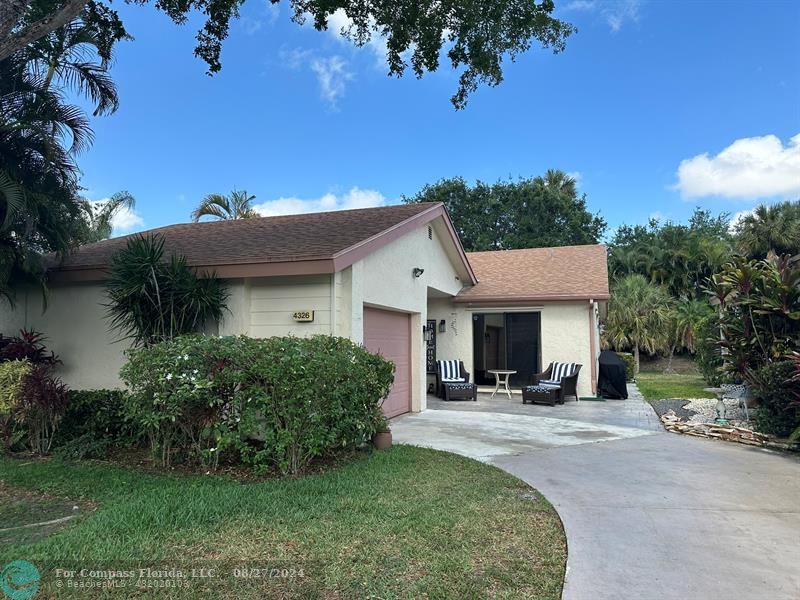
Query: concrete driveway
x=648 y=515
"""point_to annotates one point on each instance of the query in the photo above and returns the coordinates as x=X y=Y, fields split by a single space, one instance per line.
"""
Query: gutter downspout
x=592 y=346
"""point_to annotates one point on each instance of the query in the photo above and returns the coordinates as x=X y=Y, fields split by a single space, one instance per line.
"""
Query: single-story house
x=396 y=279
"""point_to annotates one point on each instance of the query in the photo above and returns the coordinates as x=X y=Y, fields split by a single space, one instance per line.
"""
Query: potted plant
x=382 y=439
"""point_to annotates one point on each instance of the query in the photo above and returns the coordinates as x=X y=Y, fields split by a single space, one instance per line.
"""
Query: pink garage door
x=389 y=334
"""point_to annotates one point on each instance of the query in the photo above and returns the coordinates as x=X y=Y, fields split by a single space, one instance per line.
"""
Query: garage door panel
x=389 y=334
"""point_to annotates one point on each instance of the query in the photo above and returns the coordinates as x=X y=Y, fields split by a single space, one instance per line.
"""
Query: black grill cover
x=612 y=376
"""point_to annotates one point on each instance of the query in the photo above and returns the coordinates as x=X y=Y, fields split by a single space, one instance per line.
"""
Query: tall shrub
x=777 y=395
x=183 y=394
x=277 y=402
x=758 y=304
x=153 y=298
x=308 y=396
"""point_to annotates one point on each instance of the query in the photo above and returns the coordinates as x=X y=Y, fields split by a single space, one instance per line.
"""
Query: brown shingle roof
x=538 y=274
x=291 y=238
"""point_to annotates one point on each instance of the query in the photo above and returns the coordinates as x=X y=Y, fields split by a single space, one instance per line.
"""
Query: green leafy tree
x=680 y=257
x=770 y=228
x=151 y=299
x=475 y=36
x=638 y=317
x=529 y=213
x=236 y=205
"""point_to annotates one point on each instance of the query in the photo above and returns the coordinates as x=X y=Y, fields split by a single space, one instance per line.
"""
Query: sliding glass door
x=506 y=341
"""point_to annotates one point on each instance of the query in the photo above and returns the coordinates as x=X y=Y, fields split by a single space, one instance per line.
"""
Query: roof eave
x=221 y=271
x=510 y=299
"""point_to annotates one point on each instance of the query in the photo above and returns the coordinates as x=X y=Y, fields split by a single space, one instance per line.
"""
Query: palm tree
x=773 y=228
x=99 y=217
x=638 y=314
x=236 y=205
x=40 y=210
x=686 y=322
x=559 y=181
x=68 y=56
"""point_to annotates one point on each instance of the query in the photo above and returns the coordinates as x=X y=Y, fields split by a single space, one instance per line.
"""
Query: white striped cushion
x=561 y=370
x=449 y=370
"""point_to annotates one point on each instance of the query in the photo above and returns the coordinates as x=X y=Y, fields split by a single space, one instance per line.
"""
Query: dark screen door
x=523 y=332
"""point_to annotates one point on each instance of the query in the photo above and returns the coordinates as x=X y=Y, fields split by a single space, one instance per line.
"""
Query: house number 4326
x=303 y=316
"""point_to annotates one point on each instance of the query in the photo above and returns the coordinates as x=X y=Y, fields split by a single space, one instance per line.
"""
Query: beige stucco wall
x=566 y=334
x=384 y=279
x=456 y=341
x=77 y=331
x=566 y=337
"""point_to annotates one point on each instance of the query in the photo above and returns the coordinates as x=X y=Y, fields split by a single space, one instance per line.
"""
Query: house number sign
x=303 y=316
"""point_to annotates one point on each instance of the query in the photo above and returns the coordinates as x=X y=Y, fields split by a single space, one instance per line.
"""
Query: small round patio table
x=501 y=376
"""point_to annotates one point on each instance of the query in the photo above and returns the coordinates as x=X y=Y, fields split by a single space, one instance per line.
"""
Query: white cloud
x=332 y=72
x=736 y=218
x=355 y=198
x=250 y=25
x=577 y=176
x=339 y=25
x=332 y=75
x=756 y=167
x=614 y=12
x=581 y=5
x=124 y=221
x=273 y=11
x=294 y=58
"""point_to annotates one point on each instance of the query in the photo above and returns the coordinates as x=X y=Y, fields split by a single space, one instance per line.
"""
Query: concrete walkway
x=648 y=515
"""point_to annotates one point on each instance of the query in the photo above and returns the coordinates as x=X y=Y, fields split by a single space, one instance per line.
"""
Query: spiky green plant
x=152 y=298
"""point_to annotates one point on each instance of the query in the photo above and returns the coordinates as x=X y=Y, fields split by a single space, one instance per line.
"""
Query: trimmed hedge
x=274 y=403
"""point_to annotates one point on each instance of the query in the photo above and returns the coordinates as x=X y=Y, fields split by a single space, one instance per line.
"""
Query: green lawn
x=660 y=386
x=404 y=523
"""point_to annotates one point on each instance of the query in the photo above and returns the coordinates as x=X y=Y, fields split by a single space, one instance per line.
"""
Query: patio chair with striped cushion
x=561 y=375
x=449 y=371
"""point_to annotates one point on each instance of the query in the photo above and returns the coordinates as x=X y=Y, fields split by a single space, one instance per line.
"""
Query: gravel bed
x=704 y=410
x=675 y=405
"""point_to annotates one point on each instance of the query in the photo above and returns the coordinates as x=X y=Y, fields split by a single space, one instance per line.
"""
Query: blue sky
x=643 y=91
